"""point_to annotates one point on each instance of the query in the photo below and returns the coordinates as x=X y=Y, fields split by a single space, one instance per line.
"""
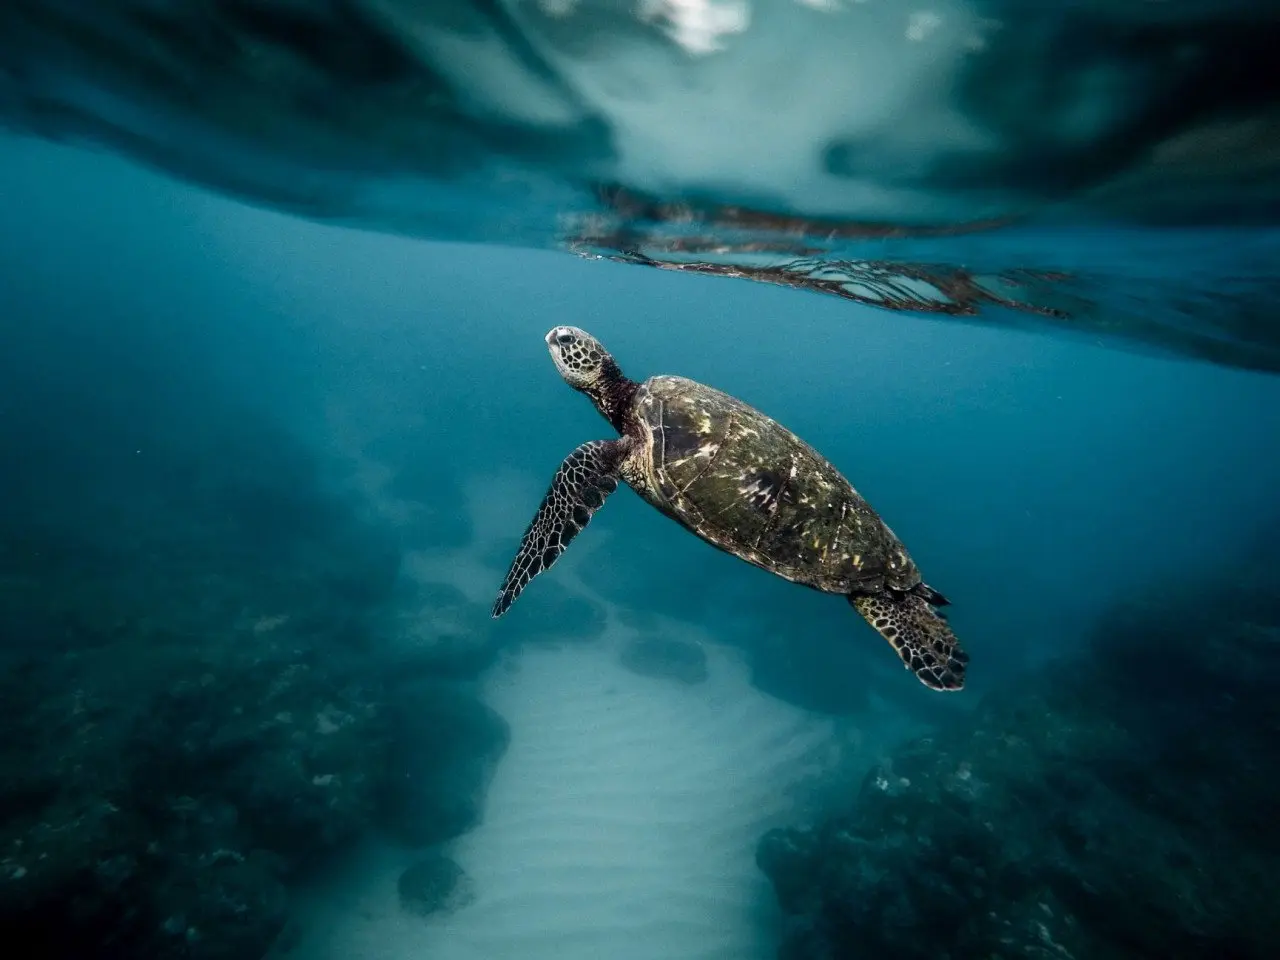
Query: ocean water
x=276 y=408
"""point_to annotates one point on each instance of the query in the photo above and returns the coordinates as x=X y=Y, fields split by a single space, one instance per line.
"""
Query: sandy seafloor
x=622 y=821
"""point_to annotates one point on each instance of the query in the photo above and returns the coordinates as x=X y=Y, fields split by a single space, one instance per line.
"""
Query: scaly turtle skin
x=743 y=483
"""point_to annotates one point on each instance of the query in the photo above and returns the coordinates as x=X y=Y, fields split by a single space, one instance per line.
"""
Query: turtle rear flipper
x=922 y=638
x=930 y=595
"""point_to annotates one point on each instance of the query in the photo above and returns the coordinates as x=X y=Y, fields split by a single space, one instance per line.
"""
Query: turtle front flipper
x=922 y=638
x=580 y=486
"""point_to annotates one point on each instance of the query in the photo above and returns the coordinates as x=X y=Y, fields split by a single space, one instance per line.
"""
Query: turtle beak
x=553 y=348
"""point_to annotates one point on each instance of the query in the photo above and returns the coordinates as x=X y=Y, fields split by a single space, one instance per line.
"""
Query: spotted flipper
x=580 y=486
x=922 y=638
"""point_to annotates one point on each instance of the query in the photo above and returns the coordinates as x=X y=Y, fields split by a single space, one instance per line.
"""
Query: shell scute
x=746 y=484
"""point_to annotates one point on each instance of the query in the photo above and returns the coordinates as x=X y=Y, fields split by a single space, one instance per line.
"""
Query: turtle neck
x=613 y=395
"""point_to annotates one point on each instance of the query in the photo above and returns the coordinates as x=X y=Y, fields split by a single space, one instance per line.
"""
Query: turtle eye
x=564 y=339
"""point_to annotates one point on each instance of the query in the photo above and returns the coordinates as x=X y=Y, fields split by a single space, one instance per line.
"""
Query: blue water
x=261 y=478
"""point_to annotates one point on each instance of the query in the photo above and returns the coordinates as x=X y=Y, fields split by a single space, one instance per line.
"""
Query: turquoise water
x=263 y=474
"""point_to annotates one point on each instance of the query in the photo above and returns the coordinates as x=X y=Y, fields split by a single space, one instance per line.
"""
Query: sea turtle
x=743 y=483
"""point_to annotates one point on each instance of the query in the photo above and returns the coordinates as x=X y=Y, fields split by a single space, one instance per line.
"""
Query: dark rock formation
x=195 y=707
x=445 y=747
x=679 y=660
x=195 y=703
x=159 y=789
x=1120 y=805
x=432 y=885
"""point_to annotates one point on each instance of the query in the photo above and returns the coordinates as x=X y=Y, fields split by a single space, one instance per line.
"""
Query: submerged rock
x=445 y=748
x=194 y=701
x=434 y=884
x=189 y=728
x=172 y=791
x=665 y=657
x=1118 y=806
x=193 y=716
x=432 y=629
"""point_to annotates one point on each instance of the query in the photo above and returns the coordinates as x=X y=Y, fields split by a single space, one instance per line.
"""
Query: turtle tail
x=922 y=638
x=930 y=595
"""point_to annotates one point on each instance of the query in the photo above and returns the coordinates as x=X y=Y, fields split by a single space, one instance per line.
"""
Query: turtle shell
x=749 y=486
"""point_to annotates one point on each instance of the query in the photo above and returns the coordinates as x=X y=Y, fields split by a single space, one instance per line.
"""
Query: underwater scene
x=391 y=570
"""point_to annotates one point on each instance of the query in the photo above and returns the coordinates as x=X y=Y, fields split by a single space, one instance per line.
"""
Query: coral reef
x=198 y=706
x=1116 y=805
x=184 y=731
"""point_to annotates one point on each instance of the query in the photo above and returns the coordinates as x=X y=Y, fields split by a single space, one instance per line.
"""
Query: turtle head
x=581 y=359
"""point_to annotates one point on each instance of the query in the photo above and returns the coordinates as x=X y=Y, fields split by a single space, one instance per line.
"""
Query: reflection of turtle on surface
x=743 y=483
